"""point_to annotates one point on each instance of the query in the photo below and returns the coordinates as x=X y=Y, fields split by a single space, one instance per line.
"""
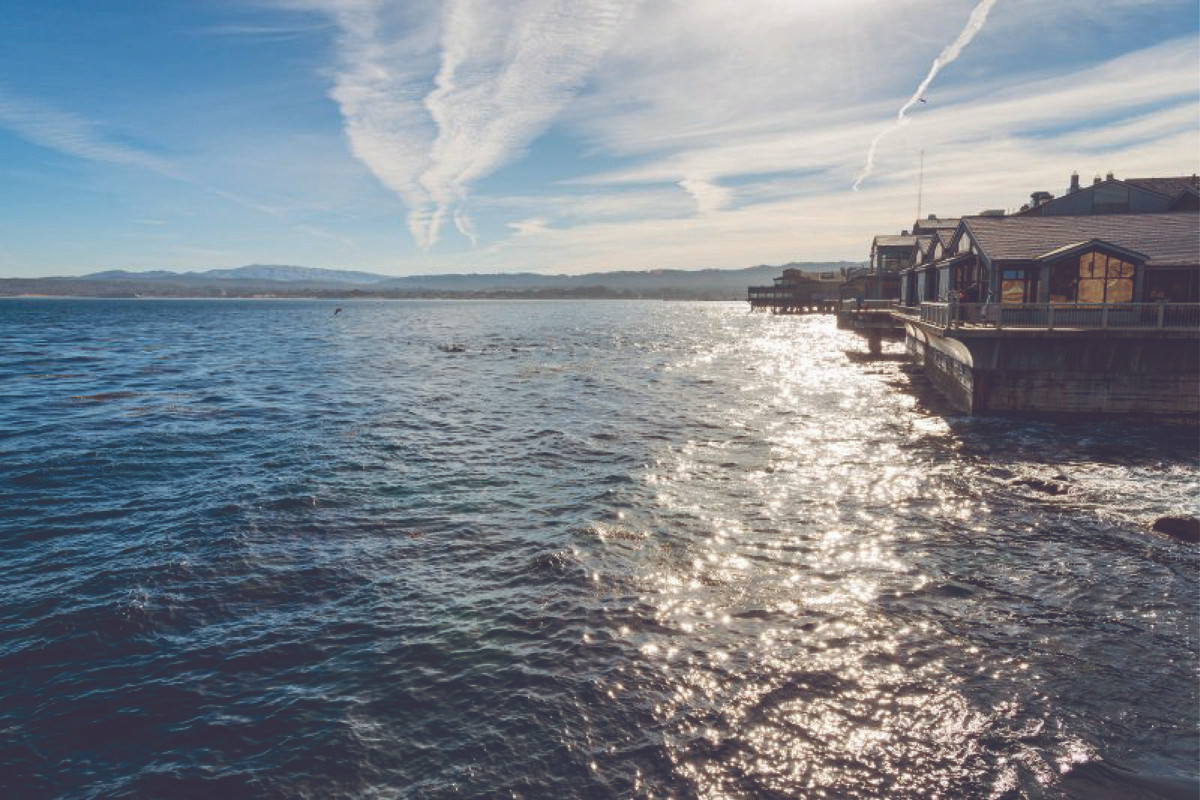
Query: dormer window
x=1092 y=277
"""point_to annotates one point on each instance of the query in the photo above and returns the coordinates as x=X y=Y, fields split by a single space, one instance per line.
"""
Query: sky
x=561 y=136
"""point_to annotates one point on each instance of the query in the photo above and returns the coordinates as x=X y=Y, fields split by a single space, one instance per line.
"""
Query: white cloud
x=465 y=225
x=744 y=111
x=987 y=145
x=708 y=195
x=529 y=227
x=607 y=203
x=1094 y=98
x=503 y=73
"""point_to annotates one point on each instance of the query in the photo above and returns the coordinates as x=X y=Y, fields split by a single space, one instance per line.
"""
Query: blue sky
x=483 y=136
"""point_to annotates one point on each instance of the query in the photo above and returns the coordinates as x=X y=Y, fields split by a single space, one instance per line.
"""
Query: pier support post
x=875 y=342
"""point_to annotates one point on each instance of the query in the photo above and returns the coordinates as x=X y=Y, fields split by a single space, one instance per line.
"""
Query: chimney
x=1096 y=180
x=1074 y=183
x=904 y=232
x=933 y=216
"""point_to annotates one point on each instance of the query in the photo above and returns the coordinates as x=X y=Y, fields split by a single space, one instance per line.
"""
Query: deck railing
x=851 y=304
x=1049 y=316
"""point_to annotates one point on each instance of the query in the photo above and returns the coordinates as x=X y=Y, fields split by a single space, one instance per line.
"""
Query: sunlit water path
x=453 y=549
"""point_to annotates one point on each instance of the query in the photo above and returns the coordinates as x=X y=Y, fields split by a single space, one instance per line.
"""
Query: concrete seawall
x=1153 y=373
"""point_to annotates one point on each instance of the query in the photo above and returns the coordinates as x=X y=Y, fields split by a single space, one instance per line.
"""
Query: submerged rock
x=1185 y=529
x=1041 y=485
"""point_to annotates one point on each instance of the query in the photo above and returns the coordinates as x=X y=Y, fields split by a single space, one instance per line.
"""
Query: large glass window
x=1018 y=286
x=1092 y=278
x=1173 y=285
x=1104 y=279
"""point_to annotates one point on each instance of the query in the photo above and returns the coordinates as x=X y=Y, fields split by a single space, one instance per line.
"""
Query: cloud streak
x=80 y=137
x=974 y=24
x=1134 y=114
x=73 y=135
x=502 y=75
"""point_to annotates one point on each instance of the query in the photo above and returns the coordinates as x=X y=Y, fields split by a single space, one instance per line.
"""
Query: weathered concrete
x=1152 y=373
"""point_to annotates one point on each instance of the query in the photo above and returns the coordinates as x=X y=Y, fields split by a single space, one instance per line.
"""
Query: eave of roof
x=1091 y=244
x=894 y=240
x=943 y=262
x=1169 y=186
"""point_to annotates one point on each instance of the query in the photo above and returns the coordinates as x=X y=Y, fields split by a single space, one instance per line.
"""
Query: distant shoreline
x=280 y=282
x=345 y=298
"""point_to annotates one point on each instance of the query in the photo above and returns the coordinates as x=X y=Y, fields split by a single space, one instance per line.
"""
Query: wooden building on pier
x=1091 y=306
x=798 y=292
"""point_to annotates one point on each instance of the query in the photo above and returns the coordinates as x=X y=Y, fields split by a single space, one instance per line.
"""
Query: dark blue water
x=444 y=549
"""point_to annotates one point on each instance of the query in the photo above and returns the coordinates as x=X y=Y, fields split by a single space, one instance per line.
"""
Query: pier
x=1085 y=304
x=870 y=318
x=1128 y=358
x=798 y=292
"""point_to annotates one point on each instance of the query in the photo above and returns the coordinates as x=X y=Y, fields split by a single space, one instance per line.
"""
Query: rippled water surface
x=452 y=549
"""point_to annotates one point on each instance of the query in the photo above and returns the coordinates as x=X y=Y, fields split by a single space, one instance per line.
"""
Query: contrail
x=952 y=51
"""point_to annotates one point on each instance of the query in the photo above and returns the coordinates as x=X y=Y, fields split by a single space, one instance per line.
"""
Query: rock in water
x=1186 y=529
x=1038 y=484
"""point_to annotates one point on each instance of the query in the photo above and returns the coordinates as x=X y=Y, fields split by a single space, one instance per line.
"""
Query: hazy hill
x=259 y=280
x=632 y=280
x=251 y=272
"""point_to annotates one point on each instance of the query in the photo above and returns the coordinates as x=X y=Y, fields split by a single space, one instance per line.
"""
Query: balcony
x=1060 y=316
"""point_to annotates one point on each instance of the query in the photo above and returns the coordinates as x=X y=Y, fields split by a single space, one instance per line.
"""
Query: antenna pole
x=920 y=182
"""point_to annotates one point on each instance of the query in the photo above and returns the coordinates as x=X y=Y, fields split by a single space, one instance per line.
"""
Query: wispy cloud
x=988 y=143
x=262 y=31
x=707 y=194
x=320 y=233
x=974 y=24
x=80 y=137
x=74 y=135
x=503 y=73
x=465 y=225
x=1023 y=105
x=529 y=227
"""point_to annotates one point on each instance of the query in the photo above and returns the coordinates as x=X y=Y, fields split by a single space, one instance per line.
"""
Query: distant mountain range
x=252 y=272
x=277 y=280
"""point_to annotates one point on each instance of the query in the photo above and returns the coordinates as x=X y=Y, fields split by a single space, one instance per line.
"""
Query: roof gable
x=1166 y=186
x=1113 y=196
x=1088 y=246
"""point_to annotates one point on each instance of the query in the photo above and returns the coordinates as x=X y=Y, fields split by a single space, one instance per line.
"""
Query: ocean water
x=567 y=549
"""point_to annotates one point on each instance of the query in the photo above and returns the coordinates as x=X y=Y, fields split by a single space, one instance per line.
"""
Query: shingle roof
x=936 y=224
x=1167 y=239
x=895 y=241
x=1168 y=186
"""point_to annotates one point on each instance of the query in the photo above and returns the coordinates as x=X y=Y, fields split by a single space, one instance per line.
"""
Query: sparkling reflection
x=797 y=643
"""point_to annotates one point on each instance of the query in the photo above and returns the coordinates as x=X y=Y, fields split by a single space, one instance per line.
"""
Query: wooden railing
x=851 y=304
x=1049 y=316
